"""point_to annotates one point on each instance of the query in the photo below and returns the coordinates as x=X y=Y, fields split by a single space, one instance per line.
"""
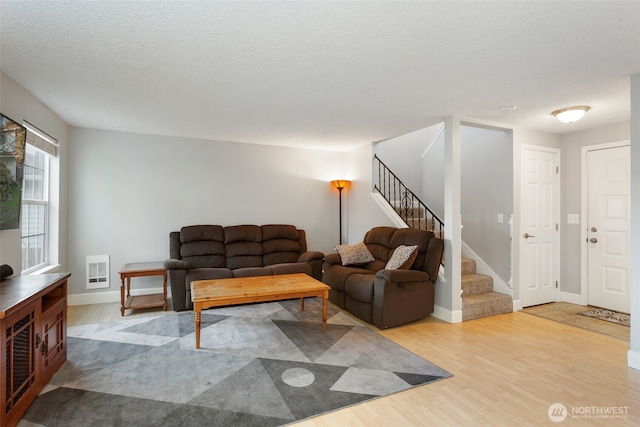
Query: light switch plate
x=500 y=218
x=573 y=218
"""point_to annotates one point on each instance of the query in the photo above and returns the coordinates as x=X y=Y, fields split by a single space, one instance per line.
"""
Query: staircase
x=478 y=298
x=407 y=205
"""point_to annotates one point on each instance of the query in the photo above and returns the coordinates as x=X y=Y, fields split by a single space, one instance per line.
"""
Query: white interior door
x=540 y=238
x=608 y=228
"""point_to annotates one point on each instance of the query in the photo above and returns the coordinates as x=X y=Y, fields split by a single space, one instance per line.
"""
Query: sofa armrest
x=310 y=256
x=333 y=259
x=403 y=276
x=176 y=264
x=404 y=298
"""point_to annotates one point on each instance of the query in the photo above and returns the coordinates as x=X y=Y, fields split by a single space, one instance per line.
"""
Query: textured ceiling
x=329 y=75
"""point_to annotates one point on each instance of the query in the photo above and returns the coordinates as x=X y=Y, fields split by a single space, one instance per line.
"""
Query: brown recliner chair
x=382 y=296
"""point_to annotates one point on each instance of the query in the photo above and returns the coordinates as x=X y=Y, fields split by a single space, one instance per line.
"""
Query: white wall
x=571 y=196
x=363 y=212
x=402 y=155
x=19 y=105
x=433 y=177
x=487 y=190
x=128 y=191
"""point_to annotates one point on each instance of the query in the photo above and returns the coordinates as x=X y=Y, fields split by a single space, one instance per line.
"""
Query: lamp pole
x=340 y=211
x=340 y=184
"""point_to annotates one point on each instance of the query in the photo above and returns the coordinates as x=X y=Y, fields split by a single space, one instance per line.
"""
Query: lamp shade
x=571 y=114
x=339 y=183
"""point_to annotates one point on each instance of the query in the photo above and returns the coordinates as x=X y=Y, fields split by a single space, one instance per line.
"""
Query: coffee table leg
x=302 y=304
x=324 y=312
x=196 y=316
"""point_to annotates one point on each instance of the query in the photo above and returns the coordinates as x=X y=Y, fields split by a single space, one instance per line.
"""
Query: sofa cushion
x=280 y=244
x=378 y=241
x=252 y=272
x=336 y=275
x=202 y=246
x=240 y=233
x=410 y=237
x=402 y=258
x=354 y=254
x=243 y=245
x=292 y=268
x=194 y=233
x=279 y=231
x=207 y=274
x=360 y=287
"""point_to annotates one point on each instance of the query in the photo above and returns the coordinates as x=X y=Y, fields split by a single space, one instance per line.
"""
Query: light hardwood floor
x=508 y=370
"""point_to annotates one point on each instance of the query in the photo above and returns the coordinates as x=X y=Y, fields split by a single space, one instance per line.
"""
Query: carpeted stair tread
x=419 y=223
x=475 y=284
x=468 y=266
x=485 y=305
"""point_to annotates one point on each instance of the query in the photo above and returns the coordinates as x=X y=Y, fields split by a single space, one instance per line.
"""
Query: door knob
x=593 y=240
x=594 y=229
x=527 y=235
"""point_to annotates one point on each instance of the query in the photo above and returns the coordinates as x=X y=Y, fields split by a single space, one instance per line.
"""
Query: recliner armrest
x=403 y=275
x=176 y=264
x=310 y=256
x=333 y=259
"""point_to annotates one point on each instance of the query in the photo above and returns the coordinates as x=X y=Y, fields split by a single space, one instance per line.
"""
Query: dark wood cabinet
x=33 y=339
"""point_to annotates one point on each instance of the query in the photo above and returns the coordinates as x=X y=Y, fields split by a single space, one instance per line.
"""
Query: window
x=40 y=201
x=34 y=213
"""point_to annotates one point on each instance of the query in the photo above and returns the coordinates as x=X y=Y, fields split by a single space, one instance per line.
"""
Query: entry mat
x=608 y=315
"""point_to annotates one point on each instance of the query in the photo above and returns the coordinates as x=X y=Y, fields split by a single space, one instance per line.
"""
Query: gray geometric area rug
x=258 y=365
x=608 y=315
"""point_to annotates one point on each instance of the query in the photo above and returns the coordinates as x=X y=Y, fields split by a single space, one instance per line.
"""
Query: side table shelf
x=142 y=269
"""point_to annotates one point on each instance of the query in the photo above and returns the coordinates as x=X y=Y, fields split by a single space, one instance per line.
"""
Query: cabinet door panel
x=54 y=339
x=19 y=370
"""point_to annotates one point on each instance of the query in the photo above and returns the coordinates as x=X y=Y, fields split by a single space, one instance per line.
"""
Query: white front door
x=540 y=238
x=608 y=228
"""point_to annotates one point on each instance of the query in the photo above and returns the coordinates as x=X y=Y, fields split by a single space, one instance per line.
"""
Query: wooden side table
x=142 y=269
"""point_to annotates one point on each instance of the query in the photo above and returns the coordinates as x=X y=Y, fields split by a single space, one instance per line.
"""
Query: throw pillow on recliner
x=402 y=258
x=354 y=254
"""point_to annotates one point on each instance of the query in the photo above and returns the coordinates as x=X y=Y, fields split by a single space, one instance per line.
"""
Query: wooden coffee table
x=242 y=290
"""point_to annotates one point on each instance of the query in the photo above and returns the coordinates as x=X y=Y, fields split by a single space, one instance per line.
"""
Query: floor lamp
x=340 y=184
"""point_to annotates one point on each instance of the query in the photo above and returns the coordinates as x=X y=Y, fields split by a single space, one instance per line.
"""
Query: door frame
x=557 y=214
x=584 y=248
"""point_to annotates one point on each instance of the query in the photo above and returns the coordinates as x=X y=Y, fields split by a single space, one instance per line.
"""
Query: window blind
x=41 y=140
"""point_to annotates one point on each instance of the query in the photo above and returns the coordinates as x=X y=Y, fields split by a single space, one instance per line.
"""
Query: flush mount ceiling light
x=571 y=114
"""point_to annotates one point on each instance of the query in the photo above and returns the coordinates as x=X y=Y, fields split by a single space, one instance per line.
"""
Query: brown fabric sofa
x=202 y=252
x=387 y=298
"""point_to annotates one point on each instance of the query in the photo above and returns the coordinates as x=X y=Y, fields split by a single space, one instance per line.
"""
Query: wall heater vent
x=97 y=271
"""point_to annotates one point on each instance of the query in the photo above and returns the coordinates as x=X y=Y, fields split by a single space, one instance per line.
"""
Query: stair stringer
x=388 y=210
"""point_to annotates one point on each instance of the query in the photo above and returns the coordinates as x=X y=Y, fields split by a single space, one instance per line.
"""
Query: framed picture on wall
x=12 y=149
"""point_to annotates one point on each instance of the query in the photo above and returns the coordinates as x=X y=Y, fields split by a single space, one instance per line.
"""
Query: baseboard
x=106 y=297
x=633 y=359
x=447 y=315
x=571 y=298
x=517 y=305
